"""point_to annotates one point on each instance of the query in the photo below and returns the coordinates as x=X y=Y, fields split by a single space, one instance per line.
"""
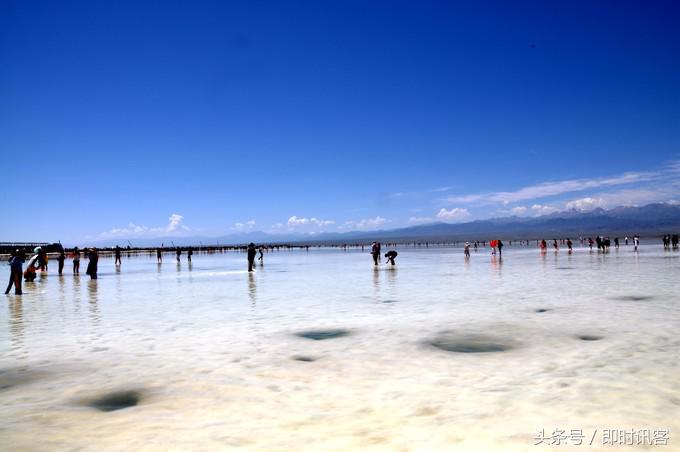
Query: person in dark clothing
x=117 y=261
x=60 y=260
x=190 y=252
x=500 y=248
x=76 y=261
x=375 y=252
x=616 y=242
x=390 y=255
x=93 y=256
x=252 y=252
x=570 y=245
x=16 y=263
x=178 y=253
x=159 y=255
x=674 y=241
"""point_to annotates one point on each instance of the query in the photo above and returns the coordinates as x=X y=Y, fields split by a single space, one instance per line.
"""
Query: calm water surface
x=320 y=351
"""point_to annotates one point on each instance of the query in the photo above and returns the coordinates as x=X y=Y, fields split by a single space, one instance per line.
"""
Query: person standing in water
x=261 y=256
x=117 y=260
x=60 y=260
x=252 y=252
x=570 y=245
x=375 y=252
x=190 y=252
x=466 y=251
x=178 y=253
x=159 y=255
x=500 y=248
x=636 y=242
x=16 y=263
x=76 y=261
x=93 y=257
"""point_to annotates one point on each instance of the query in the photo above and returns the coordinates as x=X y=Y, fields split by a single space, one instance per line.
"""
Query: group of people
x=376 y=251
x=159 y=254
x=252 y=253
x=39 y=262
x=670 y=241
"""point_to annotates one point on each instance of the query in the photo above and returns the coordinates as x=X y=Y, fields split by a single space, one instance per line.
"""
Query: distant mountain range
x=649 y=220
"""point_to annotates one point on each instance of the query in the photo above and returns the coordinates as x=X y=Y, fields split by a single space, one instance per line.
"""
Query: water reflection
x=376 y=280
x=93 y=301
x=252 y=289
x=16 y=321
x=496 y=264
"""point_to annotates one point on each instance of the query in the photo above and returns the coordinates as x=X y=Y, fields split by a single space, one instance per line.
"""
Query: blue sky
x=130 y=119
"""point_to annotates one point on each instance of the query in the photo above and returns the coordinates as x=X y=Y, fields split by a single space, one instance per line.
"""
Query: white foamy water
x=212 y=353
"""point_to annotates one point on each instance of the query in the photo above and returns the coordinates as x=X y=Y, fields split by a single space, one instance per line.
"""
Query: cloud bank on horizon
x=583 y=194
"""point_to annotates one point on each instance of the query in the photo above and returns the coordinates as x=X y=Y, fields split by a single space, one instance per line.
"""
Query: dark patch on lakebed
x=305 y=358
x=322 y=335
x=16 y=376
x=541 y=310
x=589 y=337
x=114 y=401
x=470 y=343
x=634 y=298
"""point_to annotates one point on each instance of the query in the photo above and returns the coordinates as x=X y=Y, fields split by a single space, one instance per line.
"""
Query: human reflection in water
x=93 y=301
x=252 y=289
x=497 y=264
x=376 y=282
x=16 y=321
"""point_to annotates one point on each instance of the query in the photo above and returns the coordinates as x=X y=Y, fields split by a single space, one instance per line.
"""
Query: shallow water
x=319 y=350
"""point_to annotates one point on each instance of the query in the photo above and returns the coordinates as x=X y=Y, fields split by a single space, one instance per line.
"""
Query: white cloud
x=547 y=189
x=587 y=203
x=456 y=214
x=420 y=220
x=519 y=210
x=250 y=224
x=174 y=227
x=371 y=223
x=294 y=221
x=539 y=209
x=175 y=221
